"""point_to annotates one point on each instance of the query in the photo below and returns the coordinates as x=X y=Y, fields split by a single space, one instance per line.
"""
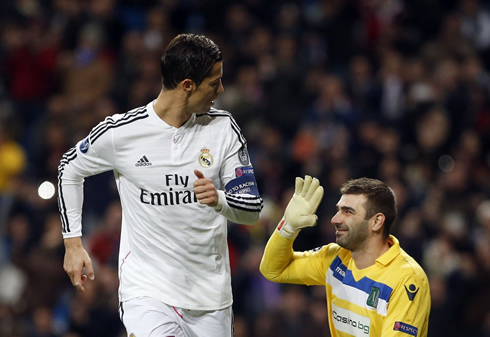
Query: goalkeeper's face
x=352 y=228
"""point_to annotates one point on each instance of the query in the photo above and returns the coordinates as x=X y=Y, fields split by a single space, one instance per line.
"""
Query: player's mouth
x=340 y=231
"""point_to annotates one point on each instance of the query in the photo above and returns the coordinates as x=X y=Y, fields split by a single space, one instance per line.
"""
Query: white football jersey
x=172 y=248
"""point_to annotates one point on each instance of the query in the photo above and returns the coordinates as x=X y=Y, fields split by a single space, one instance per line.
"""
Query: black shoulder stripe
x=138 y=109
x=121 y=122
x=102 y=127
x=234 y=125
x=129 y=113
x=109 y=120
x=102 y=124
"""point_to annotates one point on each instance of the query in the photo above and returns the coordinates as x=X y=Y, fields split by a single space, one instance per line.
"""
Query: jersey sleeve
x=408 y=308
x=281 y=264
x=90 y=156
x=239 y=200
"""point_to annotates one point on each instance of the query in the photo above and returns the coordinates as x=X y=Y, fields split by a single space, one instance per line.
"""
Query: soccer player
x=182 y=170
x=373 y=287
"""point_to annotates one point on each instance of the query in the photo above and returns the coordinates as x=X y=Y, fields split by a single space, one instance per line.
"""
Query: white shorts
x=147 y=317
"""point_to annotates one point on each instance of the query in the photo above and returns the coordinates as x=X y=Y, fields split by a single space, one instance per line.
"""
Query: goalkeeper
x=374 y=288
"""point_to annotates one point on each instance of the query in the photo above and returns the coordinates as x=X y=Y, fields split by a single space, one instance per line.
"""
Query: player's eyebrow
x=345 y=208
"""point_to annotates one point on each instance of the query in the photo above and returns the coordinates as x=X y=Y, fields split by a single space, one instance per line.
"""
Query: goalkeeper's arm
x=299 y=213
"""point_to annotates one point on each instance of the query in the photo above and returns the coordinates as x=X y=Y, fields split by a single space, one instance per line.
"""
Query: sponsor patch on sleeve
x=244 y=171
x=406 y=328
x=244 y=182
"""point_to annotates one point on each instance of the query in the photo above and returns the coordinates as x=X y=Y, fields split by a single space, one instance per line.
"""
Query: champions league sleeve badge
x=205 y=159
x=84 y=145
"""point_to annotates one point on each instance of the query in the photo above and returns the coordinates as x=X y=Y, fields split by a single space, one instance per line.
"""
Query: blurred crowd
x=337 y=89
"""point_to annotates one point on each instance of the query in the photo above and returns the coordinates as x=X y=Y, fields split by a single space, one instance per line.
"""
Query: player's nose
x=336 y=219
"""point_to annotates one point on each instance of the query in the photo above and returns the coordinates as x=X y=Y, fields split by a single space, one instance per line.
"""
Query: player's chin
x=340 y=240
x=205 y=110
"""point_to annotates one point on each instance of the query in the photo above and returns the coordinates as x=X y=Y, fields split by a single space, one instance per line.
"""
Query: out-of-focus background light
x=46 y=190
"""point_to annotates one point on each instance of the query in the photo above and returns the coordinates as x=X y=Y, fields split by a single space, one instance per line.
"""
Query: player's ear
x=188 y=85
x=378 y=221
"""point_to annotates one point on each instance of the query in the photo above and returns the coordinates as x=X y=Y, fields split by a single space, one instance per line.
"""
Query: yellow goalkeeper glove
x=301 y=209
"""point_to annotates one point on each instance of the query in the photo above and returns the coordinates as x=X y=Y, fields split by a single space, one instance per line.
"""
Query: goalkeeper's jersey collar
x=392 y=253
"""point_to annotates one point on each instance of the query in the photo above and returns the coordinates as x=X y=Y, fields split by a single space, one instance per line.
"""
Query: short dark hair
x=188 y=56
x=380 y=199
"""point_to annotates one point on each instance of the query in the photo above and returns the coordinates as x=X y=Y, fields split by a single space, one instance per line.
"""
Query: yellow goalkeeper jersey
x=388 y=299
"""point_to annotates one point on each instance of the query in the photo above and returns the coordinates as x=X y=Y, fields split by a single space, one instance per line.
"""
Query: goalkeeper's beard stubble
x=354 y=238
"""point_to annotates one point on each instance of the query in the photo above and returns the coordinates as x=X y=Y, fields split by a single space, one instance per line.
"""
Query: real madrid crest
x=205 y=158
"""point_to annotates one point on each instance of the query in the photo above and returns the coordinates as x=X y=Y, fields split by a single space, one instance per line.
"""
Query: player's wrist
x=285 y=229
x=219 y=205
x=74 y=242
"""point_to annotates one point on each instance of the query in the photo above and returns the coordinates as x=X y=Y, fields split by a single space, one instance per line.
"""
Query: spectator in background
x=43 y=259
x=12 y=161
x=88 y=71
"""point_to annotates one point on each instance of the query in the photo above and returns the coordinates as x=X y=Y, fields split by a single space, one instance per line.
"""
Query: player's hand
x=205 y=190
x=77 y=258
x=300 y=212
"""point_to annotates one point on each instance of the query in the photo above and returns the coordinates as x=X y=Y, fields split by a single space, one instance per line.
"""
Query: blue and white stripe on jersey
x=67 y=157
x=345 y=287
x=110 y=123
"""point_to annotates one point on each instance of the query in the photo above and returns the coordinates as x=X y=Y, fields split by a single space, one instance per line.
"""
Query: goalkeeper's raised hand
x=301 y=209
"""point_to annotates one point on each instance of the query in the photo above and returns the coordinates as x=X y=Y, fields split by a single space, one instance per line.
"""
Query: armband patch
x=244 y=182
x=243 y=156
x=84 y=145
x=406 y=328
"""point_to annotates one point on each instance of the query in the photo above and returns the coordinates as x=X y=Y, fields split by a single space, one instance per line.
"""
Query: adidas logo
x=143 y=162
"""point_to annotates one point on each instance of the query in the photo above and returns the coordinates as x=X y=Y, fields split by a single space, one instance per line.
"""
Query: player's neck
x=366 y=255
x=171 y=108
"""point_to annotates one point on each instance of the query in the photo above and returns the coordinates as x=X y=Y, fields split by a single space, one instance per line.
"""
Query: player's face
x=207 y=92
x=352 y=229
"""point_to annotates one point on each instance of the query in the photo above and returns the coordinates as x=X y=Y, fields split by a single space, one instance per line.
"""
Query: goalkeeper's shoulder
x=328 y=252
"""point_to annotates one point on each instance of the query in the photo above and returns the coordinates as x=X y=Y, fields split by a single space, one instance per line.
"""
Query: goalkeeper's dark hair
x=380 y=199
x=188 y=56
